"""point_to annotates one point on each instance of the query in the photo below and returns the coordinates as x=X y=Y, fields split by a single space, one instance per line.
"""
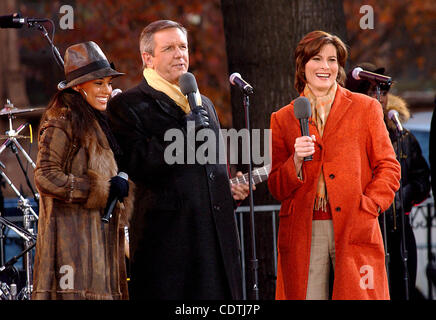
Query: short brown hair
x=310 y=46
x=146 y=43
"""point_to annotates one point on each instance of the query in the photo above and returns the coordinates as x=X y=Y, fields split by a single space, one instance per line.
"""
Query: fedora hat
x=85 y=62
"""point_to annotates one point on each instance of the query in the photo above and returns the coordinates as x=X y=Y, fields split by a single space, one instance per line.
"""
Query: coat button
x=338 y=209
x=332 y=176
x=216 y=207
x=211 y=176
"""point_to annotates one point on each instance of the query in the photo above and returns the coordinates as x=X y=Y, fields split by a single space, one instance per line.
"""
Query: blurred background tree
x=116 y=27
x=402 y=40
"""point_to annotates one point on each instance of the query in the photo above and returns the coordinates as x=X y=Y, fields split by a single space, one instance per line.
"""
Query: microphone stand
x=254 y=262
x=2 y=242
x=55 y=51
x=385 y=236
x=404 y=253
x=13 y=145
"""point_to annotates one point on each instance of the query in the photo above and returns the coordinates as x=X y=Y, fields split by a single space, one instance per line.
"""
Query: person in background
x=330 y=205
x=415 y=179
x=431 y=266
x=78 y=256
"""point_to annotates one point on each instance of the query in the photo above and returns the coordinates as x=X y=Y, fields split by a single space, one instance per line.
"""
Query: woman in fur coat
x=78 y=256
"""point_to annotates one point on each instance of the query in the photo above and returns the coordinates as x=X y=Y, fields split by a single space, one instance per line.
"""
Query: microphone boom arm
x=36 y=23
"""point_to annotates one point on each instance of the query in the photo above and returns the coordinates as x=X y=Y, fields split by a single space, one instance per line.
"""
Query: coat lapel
x=165 y=103
x=339 y=109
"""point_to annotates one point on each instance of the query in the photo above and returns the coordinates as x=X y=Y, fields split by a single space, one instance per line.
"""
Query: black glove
x=119 y=188
x=199 y=116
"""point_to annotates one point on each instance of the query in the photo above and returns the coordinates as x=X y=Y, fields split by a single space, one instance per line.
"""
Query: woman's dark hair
x=310 y=46
x=80 y=114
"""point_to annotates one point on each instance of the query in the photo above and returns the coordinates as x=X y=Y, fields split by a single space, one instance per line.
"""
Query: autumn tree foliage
x=402 y=39
x=116 y=26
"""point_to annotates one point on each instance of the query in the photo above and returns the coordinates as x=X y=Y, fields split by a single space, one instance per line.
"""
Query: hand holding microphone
x=188 y=86
x=118 y=190
x=304 y=146
x=199 y=116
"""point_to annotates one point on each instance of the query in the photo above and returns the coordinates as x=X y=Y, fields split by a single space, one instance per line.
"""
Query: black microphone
x=303 y=112
x=360 y=74
x=198 y=114
x=236 y=79
x=11 y=21
x=109 y=209
x=395 y=117
x=188 y=86
x=16 y=21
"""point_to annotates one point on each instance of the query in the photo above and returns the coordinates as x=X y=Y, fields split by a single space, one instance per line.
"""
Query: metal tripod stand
x=29 y=215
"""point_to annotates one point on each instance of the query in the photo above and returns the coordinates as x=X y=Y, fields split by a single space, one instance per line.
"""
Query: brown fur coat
x=398 y=104
x=77 y=255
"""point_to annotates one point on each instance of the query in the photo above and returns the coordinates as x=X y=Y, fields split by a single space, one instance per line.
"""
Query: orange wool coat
x=361 y=174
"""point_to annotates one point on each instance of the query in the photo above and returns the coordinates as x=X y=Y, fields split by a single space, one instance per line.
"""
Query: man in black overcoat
x=184 y=242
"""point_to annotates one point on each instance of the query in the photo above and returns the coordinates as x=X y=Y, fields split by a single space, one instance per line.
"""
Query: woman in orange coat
x=328 y=217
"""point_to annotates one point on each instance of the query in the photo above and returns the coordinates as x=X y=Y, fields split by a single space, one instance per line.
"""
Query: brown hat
x=85 y=62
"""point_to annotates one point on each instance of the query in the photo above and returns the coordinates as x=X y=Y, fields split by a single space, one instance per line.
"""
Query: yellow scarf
x=158 y=83
x=321 y=107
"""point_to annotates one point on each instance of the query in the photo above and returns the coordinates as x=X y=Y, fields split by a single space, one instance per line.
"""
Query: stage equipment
x=28 y=233
x=247 y=90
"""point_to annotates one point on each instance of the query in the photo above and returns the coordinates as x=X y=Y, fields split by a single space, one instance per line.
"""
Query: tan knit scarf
x=158 y=83
x=321 y=107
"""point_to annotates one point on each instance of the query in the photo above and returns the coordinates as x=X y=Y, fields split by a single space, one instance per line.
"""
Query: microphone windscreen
x=123 y=175
x=233 y=76
x=115 y=92
x=355 y=73
x=187 y=83
x=392 y=113
x=302 y=108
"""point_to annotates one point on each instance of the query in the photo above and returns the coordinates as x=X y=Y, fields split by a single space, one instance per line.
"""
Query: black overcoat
x=184 y=242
